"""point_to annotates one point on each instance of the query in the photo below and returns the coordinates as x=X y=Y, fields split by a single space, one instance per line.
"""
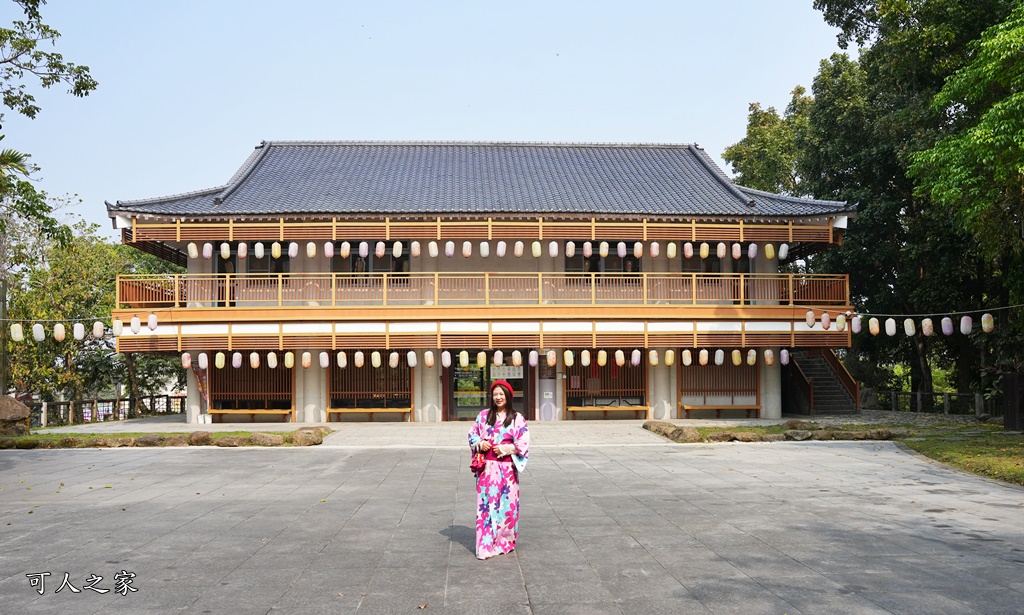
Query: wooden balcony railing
x=476 y=289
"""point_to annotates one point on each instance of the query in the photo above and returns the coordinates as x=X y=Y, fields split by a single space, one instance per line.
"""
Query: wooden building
x=600 y=280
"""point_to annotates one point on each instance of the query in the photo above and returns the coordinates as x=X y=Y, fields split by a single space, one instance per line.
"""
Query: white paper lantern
x=570 y=249
x=446 y=359
x=38 y=334
x=410 y=358
x=687 y=357
x=620 y=249
x=449 y=249
x=375 y=359
x=499 y=358
x=890 y=326
x=342 y=359
x=588 y=249
x=585 y=358
x=966 y=325
x=203 y=360
x=432 y=249
x=719 y=357
x=272 y=360
x=620 y=358
x=257 y=250
x=396 y=249
x=809 y=318
x=721 y=251
x=428 y=358
x=783 y=251
x=97 y=329
x=328 y=249
x=655 y=249
x=500 y=249
x=78 y=329
x=225 y=250
x=467 y=249
x=59 y=332
x=634 y=357
x=687 y=250
x=358 y=359
x=136 y=324
x=568 y=358
x=364 y=249
x=193 y=250
x=553 y=249
x=415 y=249
x=534 y=358
x=518 y=249
x=784 y=355
x=236 y=360
x=207 y=251
x=485 y=249
x=151 y=322
x=325 y=360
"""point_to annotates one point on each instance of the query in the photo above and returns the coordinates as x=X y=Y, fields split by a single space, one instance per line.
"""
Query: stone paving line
x=786 y=527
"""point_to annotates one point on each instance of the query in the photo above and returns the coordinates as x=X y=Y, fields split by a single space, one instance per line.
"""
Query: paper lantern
x=37 y=332
x=204 y=362
x=410 y=358
x=393 y=360
x=809 y=319
x=769 y=356
x=236 y=360
x=414 y=249
x=620 y=358
x=588 y=249
x=464 y=359
x=638 y=250
x=325 y=359
x=136 y=324
x=873 y=326
x=570 y=249
x=966 y=325
x=59 y=332
x=446 y=359
x=702 y=356
x=784 y=356
x=293 y=250
x=364 y=249
x=449 y=248
x=289 y=360
x=752 y=251
x=687 y=250
x=517 y=358
x=568 y=358
x=359 y=359
x=225 y=250
x=620 y=249
x=396 y=249
x=243 y=250
x=535 y=249
x=769 y=251
x=307 y=360
x=720 y=251
x=97 y=329
x=719 y=357
x=342 y=359
x=517 y=249
x=602 y=249
x=310 y=249
x=655 y=249
x=467 y=249
x=151 y=322
x=585 y=358
x=193 y=250
x=78 y=329
x=534 y=358
x=481 y=359
x=380 y=249
x=783 y=251
x=500 y=249
x=751 y=357
x=737 y=356
x=855 y=324
x=254 y=360
x=909 y=327
x=499 y=358
x=841 y=322
x=826 y=321
x=634 y=357
x=705 y=250
x=652 y=357
x=375 y=359
x=927 y=327
x=737 y=251
x=670 y=357
x=988 y=323
x=328 y=249
x=186 y=360
x=432 y=249
x=207 y=251
x=345 y=249
x=428 y=358
x=687 y=357
x=257 y=250
x=485 y=249
x=275 y=250
x=670 y=250
x=553 y=249
x=890 y=326
x=272 y=360
x=552 y=357
x=602 y=357
x=116 y=326
x=947 y=326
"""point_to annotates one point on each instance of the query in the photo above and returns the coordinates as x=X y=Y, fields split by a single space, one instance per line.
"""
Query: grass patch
x=54 y=440
x=980 y=449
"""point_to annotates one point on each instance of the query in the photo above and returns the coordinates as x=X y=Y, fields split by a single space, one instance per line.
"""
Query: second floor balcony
x=368 y=290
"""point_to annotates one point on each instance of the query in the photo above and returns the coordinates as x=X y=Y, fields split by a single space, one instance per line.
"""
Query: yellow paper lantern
x=289 y=359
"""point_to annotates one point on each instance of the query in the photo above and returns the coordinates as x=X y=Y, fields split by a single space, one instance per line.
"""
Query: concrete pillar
x=771 y=388
x=193 y=399
x=428 y=389
x=310 y=389
x=659 y=384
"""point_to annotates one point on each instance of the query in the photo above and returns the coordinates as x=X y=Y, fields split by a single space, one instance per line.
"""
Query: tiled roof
x=310 y=178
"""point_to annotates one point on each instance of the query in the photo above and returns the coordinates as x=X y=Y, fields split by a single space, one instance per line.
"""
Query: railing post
x=893 y=394
x=384 y=289
x=540 y=288
x=117 y=297
x=643 y=282
x=437 y=281
x=979 y=404
x=334 y=290
x=280 y=290
x=945 y=403
x=593 y=289
x=742 y=289
x=789 y=276
x=693 y=289
x=487 y=288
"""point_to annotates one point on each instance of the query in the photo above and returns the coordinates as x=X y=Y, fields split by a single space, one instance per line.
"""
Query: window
x=269 y=264
x=609 y=264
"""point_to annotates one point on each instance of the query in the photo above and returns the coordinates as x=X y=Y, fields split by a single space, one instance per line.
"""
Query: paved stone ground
x=628 y=526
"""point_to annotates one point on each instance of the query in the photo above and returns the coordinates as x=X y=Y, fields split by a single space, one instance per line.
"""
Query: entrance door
x=468 y=386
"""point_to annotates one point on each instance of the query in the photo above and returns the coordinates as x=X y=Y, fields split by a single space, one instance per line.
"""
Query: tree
x=765 y=159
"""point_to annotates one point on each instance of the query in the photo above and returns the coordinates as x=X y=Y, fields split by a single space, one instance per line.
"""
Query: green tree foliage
x=765 y=159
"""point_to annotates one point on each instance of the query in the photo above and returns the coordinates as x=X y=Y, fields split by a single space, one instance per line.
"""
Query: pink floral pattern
x=497 y=486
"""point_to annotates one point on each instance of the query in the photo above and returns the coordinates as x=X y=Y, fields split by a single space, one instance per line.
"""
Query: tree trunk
x=138 y=405
x=926 y=385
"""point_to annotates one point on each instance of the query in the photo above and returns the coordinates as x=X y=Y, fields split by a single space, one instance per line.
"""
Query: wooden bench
x=252 y=412
x=370 y=412
x=606 y=409
x=717 y=408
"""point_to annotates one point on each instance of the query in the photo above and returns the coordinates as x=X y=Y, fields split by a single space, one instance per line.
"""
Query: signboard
x=506 y=372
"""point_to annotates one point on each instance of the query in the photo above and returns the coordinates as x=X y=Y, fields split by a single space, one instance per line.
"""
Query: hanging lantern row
x=603 y=249
x=78 y=329
x=620 y=358
x=909 y=324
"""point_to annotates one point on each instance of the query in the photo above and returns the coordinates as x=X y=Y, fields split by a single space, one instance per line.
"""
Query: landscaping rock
x=722 y=436
x=797 y=435
x=772 y=437
x=304 y=437
x=802 y=425
x=119 y=442
x=150 y=439
x=231 y=441
x=687 y=434
x=176 y=441
x=266 y=439
x=70 y=442
x=746 y=436
x=14 y=419
x=821 y=434
x=26 y=443
x=879 y=434
x=323 y=432
x=99 y=443
x=200 y=438
x=6 y=442
x=661 y=428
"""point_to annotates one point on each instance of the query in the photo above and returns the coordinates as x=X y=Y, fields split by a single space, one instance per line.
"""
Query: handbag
x=477 y=463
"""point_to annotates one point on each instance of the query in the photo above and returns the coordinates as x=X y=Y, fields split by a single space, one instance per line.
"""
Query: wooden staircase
x=830 y=396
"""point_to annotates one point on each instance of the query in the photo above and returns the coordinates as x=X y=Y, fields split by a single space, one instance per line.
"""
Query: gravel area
x=888 y=417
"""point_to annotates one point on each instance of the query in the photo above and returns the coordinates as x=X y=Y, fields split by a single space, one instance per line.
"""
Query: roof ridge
x=718 y=174
x=169 y=197
x=788 y=197
x=595 y=144
x=250 y=164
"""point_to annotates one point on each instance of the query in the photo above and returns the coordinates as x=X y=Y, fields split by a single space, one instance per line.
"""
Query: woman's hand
x=485 y=445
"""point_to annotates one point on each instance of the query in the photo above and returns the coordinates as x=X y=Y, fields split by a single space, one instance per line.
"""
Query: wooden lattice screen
x=609 y=385
x=371 y=387
x=245 y=388
x=718 y=381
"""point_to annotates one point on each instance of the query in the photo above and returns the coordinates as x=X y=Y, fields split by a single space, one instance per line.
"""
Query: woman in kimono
x=500 y=433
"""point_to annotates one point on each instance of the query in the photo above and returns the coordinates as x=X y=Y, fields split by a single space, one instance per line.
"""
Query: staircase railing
x=799 y=384
x=843 y=375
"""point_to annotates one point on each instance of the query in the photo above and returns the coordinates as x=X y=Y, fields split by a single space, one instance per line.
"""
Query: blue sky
x=188 y=88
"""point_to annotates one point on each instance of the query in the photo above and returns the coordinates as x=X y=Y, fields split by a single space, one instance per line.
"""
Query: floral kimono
x=497 y=486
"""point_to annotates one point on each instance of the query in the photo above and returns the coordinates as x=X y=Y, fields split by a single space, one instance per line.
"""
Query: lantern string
x=818 y=309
